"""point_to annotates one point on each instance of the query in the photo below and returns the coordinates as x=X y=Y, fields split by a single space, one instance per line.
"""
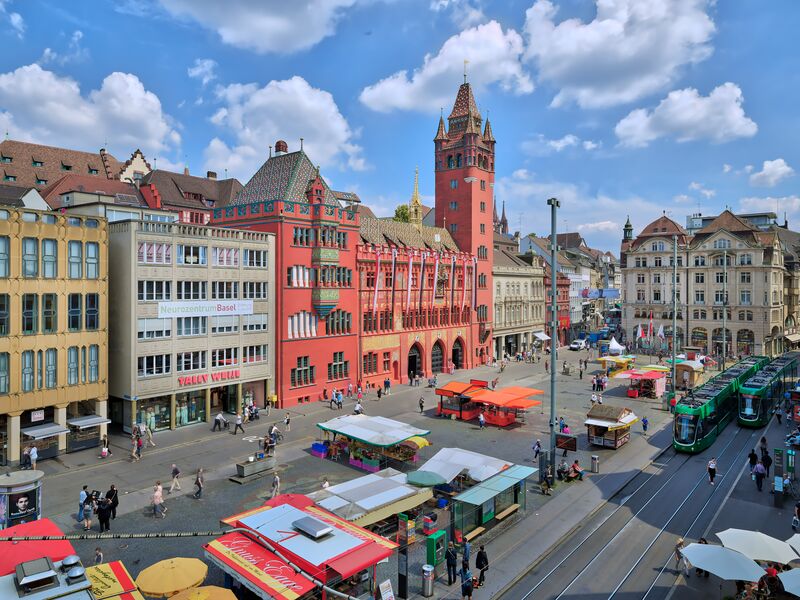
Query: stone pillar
x=173 y=407
x=60 y=418
x=238 y=398
x=209 y=417
x=12 y=435
x=101 y=410
x=502 y=347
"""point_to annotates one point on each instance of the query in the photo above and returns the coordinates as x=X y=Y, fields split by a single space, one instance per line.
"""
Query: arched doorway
x=437 y=358
x=745 y=341
x=717 y=338
x=458 y=354
x=414 y=361
x=700 y=338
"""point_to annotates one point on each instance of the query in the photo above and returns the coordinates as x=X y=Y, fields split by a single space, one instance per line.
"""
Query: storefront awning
x=793 y=337
x=40 y=432
x=88 y=421
x=540 y=335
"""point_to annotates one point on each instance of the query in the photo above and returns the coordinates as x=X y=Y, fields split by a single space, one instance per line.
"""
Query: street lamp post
x=674 y=309
x=554 y=204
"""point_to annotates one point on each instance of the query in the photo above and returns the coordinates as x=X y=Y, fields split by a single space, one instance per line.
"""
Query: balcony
x=324 y=255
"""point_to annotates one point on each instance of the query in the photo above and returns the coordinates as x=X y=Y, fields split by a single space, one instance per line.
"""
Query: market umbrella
x=723 y=562
x=425 y=479
x=791 y=581
x=207 y=592
x=794 y=542
x=168 y=577
x=758 y=546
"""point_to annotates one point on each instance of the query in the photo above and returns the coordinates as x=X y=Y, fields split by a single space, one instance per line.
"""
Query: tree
x=401 y=213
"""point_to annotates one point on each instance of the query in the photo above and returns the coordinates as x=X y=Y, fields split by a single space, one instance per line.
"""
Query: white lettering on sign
x=206 y=377
x=204 y=308
x=278 y=570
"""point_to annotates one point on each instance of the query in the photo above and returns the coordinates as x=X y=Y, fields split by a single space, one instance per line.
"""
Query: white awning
x=540 y=335
x=39 y=432
x=793 y=337
x=88 y=421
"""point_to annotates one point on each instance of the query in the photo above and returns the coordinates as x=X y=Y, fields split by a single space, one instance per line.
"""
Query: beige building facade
x=192 y=330
x=53 y=332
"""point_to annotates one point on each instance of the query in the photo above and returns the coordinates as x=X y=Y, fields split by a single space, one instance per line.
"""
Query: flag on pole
x=377 y=280
x=660 y=333
x=639 y=332
x=410 y=277
x=650 y=327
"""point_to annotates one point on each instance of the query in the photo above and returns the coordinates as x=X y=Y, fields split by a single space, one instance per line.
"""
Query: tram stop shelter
x=371 y=443
x=454 y=463
x=649 y=384
x=609 y=426
x=488 y=503
x=501 y=407
x=373 y=500
x=290 y=546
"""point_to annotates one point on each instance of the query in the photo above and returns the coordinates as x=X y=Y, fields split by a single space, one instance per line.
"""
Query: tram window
x=747 y=405
x=685 y=426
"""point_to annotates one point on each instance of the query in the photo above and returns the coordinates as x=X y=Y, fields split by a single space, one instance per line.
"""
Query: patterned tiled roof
x=397 y=233
x=487 y=132
x=11 y=195
x=283 y=177
x=465 y=103
x=441 y=134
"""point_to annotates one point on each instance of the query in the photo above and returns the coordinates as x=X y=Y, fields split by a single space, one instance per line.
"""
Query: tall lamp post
x=674 y=311
x=554 y=204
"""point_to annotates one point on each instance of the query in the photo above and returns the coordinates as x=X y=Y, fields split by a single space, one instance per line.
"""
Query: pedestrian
x=199 y=482
x=421 y=405
x=481 y=421
x=340 y=401
x=325 y=484
x=159 y=512
x=287 y=422
x=594 y=383
x=81 y=501
x=88 y=509
x=139 y=447
x=594 y=399
x=767 y=462
x=176 y=483
x=34 y=455
x=482 y=563
x=358 y=409
x=112 y=495
x=104 y=514
x=580 y=371
x=752 y=459
x=25 y=463
x=561 y=424
x=762 y=445
x=98 y=556
x=697 y=571
x=466 y=551
x=388 y=390
x=105 y=450
x=276 y=485
x=466 y=581
x=645 y=425
x=711 y=467
x=759 y=472
x=537 y=449
x=600 y=398
x=350 y=391
x=219 y=421
x=238 y=424
x=148 y=430
x=451 y=558
x=546 y=366
x=680 y=559
x=565 y=431
x=380 y=392
x=778 y=414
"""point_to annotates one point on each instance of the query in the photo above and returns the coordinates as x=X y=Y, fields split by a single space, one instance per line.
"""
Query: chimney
x=281 y=148
x=211 y=175
x=186 y=170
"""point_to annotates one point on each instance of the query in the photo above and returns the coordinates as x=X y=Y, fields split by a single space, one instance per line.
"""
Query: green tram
x=759 y=394
x=702 y=414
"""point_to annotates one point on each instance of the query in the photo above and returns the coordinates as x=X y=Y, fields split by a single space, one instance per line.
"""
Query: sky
x=616 y=107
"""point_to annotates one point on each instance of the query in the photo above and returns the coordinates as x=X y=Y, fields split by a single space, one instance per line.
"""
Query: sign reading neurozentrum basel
x=200 y=308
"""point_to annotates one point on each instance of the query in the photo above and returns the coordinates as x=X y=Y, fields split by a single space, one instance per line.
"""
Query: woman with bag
x=466 y=581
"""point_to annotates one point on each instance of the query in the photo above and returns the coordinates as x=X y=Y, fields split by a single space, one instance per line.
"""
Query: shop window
x=75 y=259
x=49 y=259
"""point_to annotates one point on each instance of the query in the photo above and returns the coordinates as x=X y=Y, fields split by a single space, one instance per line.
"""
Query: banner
x=201 y=308
x=601 y=293
x=435 y=276
x=452 y=280
x=377 y=280
x=410 y=272
x=422 y=279
x=394 y=275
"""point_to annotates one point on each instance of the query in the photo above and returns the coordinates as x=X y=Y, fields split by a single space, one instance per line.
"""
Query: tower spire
x=415 y=204
x=466 y=62
x=504 y=220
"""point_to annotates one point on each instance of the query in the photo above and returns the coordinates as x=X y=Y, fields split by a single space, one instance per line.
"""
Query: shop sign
x=387 y=593
x=37 y=415
x=206 y=377
x=203 y=309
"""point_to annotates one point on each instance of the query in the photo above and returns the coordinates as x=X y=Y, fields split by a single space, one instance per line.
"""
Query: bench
x=474 y=533
x=509 y=511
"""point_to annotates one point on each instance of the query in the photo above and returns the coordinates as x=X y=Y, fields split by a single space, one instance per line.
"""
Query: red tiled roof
x=172 y=187
x=89 y=184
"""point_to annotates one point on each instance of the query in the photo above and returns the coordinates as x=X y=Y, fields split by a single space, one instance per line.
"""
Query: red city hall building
x=316 y=237
x=562 y=305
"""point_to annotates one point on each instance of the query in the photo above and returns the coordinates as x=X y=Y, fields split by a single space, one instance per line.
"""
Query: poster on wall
x=23 y=506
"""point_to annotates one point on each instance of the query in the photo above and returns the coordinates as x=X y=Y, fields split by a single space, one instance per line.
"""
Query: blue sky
x=615 y=106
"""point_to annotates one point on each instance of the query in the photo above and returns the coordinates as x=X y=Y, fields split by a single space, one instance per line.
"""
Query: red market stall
x=320 y=544
x=14 y=553
x=650 y=384
x=455 y=400
x=505 y=407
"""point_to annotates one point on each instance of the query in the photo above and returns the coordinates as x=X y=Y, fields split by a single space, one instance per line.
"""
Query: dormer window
x=93 y=171
x=9 y=177
x=36 y=163
x=65 y=167
x=40 y=181
x=6 y=159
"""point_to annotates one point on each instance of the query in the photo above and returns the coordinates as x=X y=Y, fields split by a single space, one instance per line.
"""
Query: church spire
x=487 y=131
x=441 y=133
x=504 y=220
x=415 y=204
x=495 y=218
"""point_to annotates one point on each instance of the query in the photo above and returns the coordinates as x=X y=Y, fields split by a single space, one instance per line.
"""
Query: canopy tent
x=14 y=553
x=662 y=368
x=451 y=462
x=375 y=431
x=521 y=392
x=366 y=500
x=486 y=490
x=638 y=374
x=457 y=388
x=617 y=360
x=541 y=336
x=614 y=347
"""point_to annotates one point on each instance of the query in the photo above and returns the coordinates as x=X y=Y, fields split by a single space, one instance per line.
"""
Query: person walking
x=34 y=456
x=238 y=424
x=580 y=370
x=566 y=431
x=645 y=425
x=148 y=430
x=759 y=472
x=219 y=421
x=112 y=495
x=350 y=391
x=561 y=424
x=752 y=459
x=697 y=571
x=199 y=482
x=762 y=446
x=421 y=405
x=680 y=559
x=482 y=563
x=380 y=392
x=276 y=485
x=546 y=366
x=88 y=509
x=81 y=501
x=159 y=512
x=711 y=467
x=451 y=558
x=105 y=449
x=287 y=420
x=778 y=414
x=176 y=483
x=466 y=551
x=466 y=581
x=481 y=421
x=537 y=449
x=767 y=462
x=104 y=514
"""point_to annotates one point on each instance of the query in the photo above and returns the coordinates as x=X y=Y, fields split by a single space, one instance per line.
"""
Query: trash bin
x=427 y=581
x=595 y=463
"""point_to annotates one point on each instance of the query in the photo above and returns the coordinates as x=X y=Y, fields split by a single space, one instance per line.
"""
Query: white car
x=578 y=345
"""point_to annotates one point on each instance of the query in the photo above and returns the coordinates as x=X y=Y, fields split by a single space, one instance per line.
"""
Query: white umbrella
x=723 y=562
x=794 y=542
x=758 y=546
x=791 y=581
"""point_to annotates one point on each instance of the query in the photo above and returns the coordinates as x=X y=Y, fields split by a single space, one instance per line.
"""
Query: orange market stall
x=507 y=406
x=455 y=400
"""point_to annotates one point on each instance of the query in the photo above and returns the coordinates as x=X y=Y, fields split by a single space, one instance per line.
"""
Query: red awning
x=648 y=375
x=13 y=553
x=244 y=558
x=355 y=561
x=521 y=403
x=456 y=388
x=521 y=392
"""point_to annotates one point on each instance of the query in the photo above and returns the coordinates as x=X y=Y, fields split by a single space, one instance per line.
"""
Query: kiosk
x=609 y=426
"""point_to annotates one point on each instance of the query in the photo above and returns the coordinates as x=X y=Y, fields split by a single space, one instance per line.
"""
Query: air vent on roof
x=70 y=561
x=313 y=528
x=36 y=575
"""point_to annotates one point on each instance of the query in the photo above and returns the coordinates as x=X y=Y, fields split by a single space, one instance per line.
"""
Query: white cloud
x=40 y=106
x=75 y=52
x=631 y=48
x=542 y=146
x=682 y=199
x=590 y=145
x=464 y=13
x=255 y=117
x=772 y=172
x=604 y=226
x=699 y=187
x=494 y=58
x=686 y=116
x=726 y=168
x=788 y=205
x=748 y=168
x=267 y=26
x=204 y=69
x=14 y=19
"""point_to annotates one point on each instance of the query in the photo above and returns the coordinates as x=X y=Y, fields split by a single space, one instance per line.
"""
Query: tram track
x=627 y=538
